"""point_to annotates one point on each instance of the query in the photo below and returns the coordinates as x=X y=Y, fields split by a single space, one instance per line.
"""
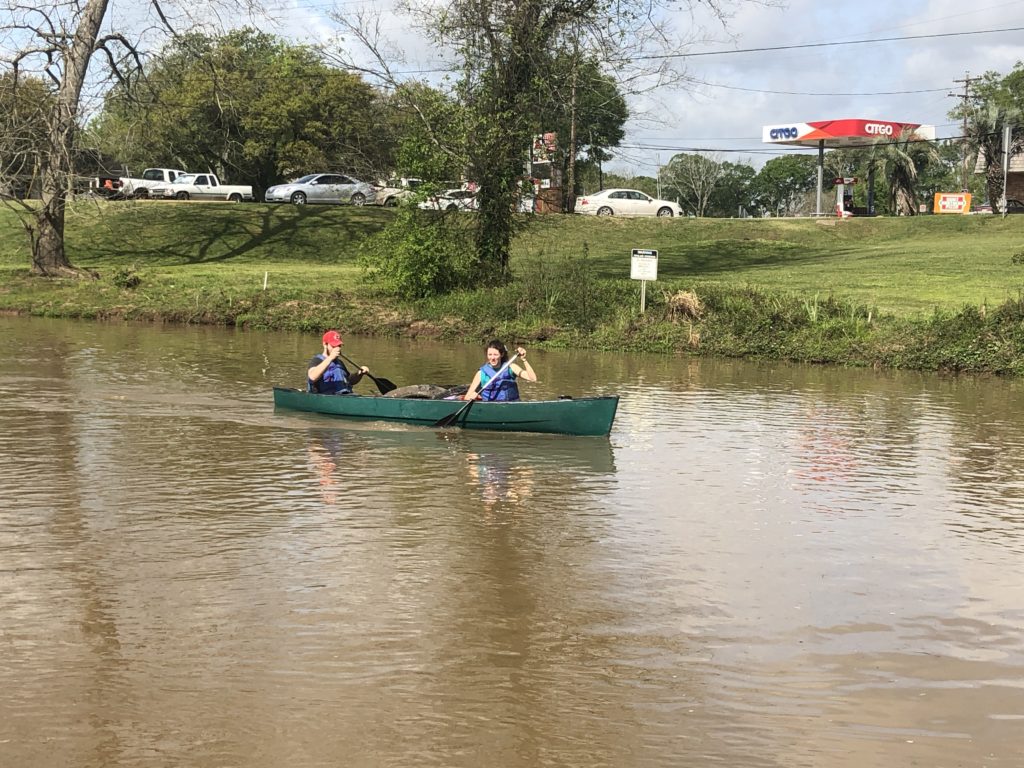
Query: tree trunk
x=570 y=197
x=48 y=254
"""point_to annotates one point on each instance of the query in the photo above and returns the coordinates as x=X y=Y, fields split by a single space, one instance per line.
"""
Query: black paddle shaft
x=384 y=385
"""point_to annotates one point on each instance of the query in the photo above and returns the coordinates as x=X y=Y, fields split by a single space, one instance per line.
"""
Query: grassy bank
x=929 y=292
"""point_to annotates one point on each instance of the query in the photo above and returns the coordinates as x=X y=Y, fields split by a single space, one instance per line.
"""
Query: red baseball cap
x=332 y=338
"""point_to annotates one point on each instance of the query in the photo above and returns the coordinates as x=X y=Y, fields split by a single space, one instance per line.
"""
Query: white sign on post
x=643 y=267
x=644 y=264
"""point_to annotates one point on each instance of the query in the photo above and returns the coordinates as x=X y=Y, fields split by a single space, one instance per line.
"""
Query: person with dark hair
x=505 y=377
x=326 y=374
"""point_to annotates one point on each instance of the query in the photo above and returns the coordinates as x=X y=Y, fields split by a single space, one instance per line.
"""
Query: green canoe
x=583 y=416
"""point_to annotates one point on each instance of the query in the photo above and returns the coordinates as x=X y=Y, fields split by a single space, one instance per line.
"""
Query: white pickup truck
x=202 y=186
x=129 y=186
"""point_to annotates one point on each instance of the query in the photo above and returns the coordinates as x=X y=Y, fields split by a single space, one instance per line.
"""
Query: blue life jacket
x=504 y=389
x=333 y=382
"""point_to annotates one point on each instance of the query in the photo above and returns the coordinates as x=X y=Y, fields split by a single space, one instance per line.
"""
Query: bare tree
x=694 y=178
x=58 y=41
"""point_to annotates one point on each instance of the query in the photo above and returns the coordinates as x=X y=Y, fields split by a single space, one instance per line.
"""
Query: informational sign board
x=643 y=264
x=952 y=202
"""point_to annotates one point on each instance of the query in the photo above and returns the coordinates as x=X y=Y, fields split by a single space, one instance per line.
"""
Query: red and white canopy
x=843 y=133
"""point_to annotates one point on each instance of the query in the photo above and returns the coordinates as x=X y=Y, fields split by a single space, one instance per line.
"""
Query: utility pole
x=966 y=95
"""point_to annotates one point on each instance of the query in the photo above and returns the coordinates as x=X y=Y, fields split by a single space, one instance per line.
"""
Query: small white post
x=643 y=296
x=265 y=280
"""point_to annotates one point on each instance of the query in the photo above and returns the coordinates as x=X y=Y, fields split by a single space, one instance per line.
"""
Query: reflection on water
x=763 y=566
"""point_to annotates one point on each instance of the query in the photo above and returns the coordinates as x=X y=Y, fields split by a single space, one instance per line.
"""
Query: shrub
x=126 y=277
x=421 y=254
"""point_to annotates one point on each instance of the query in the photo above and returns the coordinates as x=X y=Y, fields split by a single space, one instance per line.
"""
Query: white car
x=451 y=200
x=393 y=191
x=625 y=202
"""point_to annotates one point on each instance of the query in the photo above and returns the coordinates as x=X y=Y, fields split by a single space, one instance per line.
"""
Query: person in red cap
x=327 y=375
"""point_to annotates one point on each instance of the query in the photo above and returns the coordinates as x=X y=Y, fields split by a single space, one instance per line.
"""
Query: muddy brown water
x=764 y=565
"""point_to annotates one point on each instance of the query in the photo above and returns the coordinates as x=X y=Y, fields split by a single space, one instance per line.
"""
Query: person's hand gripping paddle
x=452 y=419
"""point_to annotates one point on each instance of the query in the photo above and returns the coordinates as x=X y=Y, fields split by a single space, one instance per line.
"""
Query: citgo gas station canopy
x=848 y=132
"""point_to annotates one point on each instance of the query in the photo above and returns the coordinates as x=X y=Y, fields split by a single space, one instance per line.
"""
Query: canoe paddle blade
x=384 y=385
x=453 y=418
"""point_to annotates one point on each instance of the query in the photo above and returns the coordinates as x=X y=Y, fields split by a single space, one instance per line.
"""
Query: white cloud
x=860 y=69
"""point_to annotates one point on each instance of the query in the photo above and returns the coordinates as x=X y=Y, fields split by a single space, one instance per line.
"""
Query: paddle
x=384 y=385
x=452 y=419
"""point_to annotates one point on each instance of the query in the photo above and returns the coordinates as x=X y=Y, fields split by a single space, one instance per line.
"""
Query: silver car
x=326 y=188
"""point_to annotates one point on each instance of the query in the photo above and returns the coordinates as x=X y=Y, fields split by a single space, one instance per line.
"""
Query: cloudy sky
x=733 y=93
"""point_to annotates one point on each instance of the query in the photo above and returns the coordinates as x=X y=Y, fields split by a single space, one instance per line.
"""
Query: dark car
x=1014 y=206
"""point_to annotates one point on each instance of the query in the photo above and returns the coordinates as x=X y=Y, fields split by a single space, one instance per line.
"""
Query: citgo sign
x=784 y=133
x=878 y=129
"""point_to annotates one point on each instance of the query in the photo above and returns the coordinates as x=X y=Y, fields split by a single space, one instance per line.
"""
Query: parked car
x=393 y=191
x=1014 y=206
x=120 y=187
x=202 y=186
x=323 y=188
x=625 y=202
x=451 y=200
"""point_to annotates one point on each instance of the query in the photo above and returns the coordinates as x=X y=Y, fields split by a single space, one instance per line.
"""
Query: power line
x=827 y=45
x=819 y=93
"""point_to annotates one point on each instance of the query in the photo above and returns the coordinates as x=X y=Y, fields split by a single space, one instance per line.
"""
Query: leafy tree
x=421 y=254
x=430 y=132
x=943 y=173
x=781 y=185
x=997 y=101
x=733 y=191
x=901 y=162
x=646 y=184
x=25 y=105
x=504 y=49
x=250 y=107
x=585 y=107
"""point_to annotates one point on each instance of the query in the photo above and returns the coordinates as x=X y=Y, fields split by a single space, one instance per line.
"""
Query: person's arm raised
x=526 y=372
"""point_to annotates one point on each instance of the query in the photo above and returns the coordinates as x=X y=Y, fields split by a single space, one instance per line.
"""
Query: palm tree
x=985 y=129
x=902 y=161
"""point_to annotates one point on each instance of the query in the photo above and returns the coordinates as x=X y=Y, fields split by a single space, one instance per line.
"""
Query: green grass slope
x=926 y=292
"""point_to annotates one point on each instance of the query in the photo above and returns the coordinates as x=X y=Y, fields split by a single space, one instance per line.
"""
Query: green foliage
x=249 y=107
x=781 y=183
x=733 y=191
x=571 y=86
x=565 y=290
x=420 y=254
x=1017 y=258
x=997 y=101
x=25 y=107
x=645 y=184
x=431 y=134
x=773 y=289
x=126 y=277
